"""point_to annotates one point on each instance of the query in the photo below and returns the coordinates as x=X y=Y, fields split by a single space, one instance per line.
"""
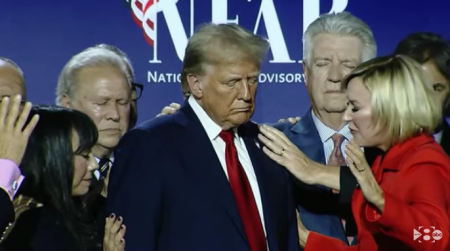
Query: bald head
x=12 y=82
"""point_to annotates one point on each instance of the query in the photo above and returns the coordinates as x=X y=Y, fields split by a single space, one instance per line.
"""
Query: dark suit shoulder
x=283 y=126
x=158 y=124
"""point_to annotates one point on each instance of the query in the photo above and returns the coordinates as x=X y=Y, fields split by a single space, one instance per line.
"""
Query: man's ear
x=305 y=72
x=65 y=101
x=195 y=85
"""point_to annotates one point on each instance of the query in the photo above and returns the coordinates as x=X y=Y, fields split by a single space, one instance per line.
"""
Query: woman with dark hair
x=58 y=166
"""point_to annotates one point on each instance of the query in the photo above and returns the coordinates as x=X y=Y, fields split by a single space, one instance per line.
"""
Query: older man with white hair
x=334 y=44
x=96 y=82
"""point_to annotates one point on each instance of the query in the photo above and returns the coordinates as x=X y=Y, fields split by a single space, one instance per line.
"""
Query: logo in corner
x=423 y=234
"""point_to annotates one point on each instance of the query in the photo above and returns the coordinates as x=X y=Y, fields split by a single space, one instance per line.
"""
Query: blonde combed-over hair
x=213 y=43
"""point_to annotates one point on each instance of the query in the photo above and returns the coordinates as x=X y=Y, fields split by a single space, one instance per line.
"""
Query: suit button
x=357 y=185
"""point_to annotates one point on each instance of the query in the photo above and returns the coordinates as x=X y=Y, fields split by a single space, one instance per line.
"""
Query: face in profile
x=438 y=82
x=332 y=58
x=11 y=81
x=84 y=164
x=227 y=91
x=366 y=132
x=104 y=94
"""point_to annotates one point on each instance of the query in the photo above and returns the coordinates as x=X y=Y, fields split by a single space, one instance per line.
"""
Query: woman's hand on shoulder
x=113 y=240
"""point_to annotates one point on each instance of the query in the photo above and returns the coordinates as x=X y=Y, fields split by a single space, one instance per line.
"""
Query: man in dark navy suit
x=198 y=180
x=333 y=45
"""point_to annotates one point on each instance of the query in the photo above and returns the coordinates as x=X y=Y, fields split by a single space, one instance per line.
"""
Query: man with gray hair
x=136 y=88
x=96 y=82
x=333 y=45
x=197 y=180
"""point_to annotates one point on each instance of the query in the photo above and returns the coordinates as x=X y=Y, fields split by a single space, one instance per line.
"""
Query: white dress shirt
x=325 y=134
x=213 y=130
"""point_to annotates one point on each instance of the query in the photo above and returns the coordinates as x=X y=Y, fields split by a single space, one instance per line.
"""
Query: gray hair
x=342 y=23
x=91 y=57
x=121 y=54
x=222 y=40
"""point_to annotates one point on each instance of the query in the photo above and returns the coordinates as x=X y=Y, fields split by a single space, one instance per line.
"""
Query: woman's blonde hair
x=402 y=103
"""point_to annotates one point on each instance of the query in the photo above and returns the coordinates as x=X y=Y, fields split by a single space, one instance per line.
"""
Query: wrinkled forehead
x=105 y=82
x=329 y=46
x=239 y=68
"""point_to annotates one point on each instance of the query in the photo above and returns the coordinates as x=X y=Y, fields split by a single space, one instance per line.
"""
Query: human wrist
x=326 y=176
x=379 y=200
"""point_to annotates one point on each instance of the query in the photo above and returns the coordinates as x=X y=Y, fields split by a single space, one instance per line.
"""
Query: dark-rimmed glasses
x=136 y=91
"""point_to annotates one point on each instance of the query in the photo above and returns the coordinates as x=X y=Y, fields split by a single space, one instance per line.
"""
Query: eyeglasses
x=136 y=91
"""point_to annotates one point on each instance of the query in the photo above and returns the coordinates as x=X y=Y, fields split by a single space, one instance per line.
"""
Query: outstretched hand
x=14 y=132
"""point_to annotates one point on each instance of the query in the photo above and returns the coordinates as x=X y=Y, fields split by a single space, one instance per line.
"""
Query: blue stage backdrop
x=41 y=36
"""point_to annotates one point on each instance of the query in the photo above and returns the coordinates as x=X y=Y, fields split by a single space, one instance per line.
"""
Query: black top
x=6 y=210
x=39 y=229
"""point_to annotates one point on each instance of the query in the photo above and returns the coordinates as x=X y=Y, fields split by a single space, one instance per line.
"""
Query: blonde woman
x=408 y=187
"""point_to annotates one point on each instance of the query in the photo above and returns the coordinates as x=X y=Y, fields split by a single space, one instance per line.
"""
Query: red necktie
x=243 y=195
x=337 y=159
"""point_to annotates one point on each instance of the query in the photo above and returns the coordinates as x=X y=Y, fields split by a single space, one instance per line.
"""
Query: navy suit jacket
x=318 y=206
x=170 y=188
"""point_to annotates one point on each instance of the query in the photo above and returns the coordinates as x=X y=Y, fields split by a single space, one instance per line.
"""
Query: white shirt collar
x=438 y=137
x=212 y=129
x=326 y=132
x=111 y=158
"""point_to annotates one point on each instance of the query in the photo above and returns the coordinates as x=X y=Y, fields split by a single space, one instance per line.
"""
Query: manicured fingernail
x=112 y=216
x=120 y=218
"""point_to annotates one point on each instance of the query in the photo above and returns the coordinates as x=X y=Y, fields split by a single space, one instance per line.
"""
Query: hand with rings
x=280 y=149
x=357 y=164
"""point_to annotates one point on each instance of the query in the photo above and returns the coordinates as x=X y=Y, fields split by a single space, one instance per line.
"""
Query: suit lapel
x=306 y=137
x=201 y=160
x=264 y=175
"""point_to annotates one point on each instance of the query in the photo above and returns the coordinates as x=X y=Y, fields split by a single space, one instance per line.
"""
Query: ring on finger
x=359 y=170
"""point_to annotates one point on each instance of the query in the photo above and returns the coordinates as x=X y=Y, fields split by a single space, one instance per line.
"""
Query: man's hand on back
x=171 y=109
x=291 y=120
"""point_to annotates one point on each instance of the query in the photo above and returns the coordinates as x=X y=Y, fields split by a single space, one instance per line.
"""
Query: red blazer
x=415 y=179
